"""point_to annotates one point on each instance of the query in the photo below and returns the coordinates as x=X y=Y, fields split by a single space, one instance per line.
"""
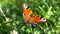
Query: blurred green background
x=11 y=16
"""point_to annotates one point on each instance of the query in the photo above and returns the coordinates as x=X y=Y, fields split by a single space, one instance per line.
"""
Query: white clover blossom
x=14 y=32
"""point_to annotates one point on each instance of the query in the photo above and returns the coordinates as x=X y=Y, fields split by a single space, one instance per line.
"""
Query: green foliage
x=11 y=16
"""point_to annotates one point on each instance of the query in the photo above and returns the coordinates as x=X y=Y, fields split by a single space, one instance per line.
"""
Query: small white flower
x=14 y=32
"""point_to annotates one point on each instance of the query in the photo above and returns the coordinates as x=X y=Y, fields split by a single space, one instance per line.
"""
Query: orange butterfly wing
x=26 y=14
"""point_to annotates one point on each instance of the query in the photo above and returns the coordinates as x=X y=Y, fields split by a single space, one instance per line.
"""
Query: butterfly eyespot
x=41 y=17
x=25 y=5
x=24 y=14
x=43 y=20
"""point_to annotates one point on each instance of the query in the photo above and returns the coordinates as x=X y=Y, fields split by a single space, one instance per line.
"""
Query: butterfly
x=30 y=17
